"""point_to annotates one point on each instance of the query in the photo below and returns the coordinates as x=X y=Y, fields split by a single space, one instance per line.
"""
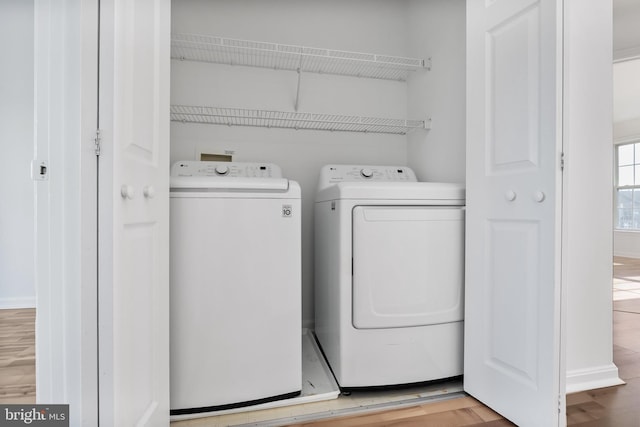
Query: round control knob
x=366 y=172
x=222 y=170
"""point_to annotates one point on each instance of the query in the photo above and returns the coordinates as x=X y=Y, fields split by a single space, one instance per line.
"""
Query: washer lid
x=427 y=191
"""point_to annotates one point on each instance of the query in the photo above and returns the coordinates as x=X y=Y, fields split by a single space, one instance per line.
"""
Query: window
x=628 y=186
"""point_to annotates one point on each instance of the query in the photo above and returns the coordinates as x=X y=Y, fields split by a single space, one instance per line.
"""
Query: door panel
x=407 y=266
x=512 y=298
x=513 y=115
x=512 y=288
x=134 y=212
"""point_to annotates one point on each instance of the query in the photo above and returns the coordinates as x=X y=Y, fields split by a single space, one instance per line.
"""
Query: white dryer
x=389 y=275
x=235 y=286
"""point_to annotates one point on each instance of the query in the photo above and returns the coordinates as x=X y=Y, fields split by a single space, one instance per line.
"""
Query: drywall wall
x=373 y=26
x=626 y=32
x=626 y=128
x=626 y=243
x=437 y=30
x=587 y=233
x=17 y=253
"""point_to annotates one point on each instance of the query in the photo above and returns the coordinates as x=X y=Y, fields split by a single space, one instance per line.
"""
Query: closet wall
x=437 y=29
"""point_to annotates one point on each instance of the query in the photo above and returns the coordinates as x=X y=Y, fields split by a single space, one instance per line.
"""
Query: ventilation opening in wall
x=209 y=157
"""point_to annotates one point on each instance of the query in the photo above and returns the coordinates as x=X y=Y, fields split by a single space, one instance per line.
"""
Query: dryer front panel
x=408 y=266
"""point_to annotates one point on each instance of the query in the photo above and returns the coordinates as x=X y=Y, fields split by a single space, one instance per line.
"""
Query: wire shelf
x=220 y=50
x=289 y=120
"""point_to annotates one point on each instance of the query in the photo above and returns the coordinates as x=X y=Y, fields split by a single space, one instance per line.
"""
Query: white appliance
x=235 y=286
x=389 y=275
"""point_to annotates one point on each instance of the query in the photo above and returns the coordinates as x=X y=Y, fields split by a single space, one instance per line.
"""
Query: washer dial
x=366 y=172
x=222 y=170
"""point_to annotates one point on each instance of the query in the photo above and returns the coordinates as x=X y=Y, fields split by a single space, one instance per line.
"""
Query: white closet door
x=134 y=212
x=514 y=139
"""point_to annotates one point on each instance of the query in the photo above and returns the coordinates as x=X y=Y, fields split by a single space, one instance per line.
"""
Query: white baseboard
x=588 y=379
x=9 y=303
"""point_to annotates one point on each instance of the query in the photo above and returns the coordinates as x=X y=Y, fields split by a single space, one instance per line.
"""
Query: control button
x=366 y=172
x=222 y=170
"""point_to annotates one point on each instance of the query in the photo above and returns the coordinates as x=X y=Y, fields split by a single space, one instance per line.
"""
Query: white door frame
x=65 y=99
x=588 y=182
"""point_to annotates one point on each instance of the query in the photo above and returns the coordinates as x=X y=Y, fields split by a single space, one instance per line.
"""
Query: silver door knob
x=510 y=195
x=148 y=191
x=127 y=191
x=539 y=196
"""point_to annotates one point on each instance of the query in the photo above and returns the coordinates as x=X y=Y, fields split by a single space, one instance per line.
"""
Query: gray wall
x=17 y=278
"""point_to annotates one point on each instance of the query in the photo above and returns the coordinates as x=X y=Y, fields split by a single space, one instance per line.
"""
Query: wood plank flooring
x=18 y=356
x=613 y=406
x=465 y=411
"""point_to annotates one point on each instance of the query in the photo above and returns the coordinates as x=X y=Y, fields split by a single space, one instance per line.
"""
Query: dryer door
x=408 y=264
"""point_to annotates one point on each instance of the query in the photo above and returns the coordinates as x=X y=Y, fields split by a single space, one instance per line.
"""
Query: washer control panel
x=226 y=169
x=332 y=174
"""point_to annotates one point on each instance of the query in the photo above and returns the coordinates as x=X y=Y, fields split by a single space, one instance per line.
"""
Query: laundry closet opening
x=304 y=84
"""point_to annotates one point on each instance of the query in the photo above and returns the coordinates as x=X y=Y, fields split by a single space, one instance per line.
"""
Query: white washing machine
x=389 y=275
x=235 y=286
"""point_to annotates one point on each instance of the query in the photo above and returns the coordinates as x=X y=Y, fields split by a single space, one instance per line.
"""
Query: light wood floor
x=608 y=407
x=18 y=356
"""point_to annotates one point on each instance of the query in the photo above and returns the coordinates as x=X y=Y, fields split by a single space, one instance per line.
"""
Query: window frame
x=635 y=188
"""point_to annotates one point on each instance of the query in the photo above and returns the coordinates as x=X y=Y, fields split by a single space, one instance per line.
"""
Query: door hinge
x=559 y=404
x=97 y=142
x=562 y=161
